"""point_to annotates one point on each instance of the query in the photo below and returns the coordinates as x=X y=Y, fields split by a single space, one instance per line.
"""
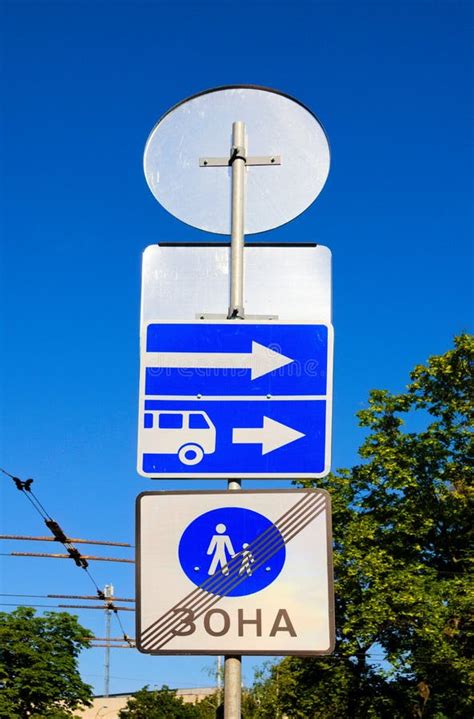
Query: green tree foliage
x=402 y=523
x=162 y=704
x=38 y=665
x=165 y=704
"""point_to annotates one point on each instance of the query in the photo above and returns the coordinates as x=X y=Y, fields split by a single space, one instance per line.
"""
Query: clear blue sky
x=83 y=84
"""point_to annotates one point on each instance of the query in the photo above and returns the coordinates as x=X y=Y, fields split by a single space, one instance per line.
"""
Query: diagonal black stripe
x=269 y=537
x=160 y=630
x=213 y=584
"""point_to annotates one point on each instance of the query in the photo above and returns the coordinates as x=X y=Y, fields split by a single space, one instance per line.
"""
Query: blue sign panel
x=235 y=399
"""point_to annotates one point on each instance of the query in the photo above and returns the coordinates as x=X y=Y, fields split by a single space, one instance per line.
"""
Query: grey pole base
x=232 y=687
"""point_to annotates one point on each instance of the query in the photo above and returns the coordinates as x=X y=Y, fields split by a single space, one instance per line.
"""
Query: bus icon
x=188 y=434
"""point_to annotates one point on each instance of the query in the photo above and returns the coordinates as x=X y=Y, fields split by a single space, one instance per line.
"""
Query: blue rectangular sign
x=235 y=399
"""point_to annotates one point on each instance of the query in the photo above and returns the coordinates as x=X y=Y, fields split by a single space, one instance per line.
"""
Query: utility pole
x=109 y=594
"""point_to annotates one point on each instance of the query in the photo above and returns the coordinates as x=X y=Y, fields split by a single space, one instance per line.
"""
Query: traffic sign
x=188 y=180
x=246 y=572
x=235 y=399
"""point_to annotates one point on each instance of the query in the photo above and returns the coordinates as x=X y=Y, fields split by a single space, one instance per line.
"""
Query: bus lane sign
x=226 y=399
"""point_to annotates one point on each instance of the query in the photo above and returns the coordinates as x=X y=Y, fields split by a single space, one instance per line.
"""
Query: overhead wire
x=65 y=606
x=85 y=557
x=23 y=537
x=122 y=629
x=25 y=487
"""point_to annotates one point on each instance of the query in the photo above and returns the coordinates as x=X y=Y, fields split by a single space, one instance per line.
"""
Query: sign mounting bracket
x=255 y=318
x=227 y=162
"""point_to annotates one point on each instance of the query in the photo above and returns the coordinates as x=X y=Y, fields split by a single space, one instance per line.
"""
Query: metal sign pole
x=232 y=687
x=238 y=159
x=233 y=664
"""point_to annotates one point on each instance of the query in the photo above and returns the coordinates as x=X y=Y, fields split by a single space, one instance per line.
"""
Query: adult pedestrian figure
x=219 y=545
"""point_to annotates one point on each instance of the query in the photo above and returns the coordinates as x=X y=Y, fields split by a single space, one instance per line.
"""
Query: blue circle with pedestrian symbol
x=231 y=551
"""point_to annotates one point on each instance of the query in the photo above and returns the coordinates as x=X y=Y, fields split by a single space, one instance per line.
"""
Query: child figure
x=247 y=560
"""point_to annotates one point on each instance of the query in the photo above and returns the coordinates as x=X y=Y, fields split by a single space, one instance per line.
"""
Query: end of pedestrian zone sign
x=246 y=572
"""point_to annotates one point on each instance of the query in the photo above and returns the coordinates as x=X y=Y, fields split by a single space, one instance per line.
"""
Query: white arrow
x=271 y=436
x=261 y=360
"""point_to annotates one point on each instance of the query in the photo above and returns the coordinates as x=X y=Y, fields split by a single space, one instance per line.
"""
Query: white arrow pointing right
x=271 y=436
x=260 y=361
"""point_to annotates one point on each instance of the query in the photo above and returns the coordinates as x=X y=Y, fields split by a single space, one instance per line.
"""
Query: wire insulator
x=77 y=556
x=56 y=530
x=23 y=486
